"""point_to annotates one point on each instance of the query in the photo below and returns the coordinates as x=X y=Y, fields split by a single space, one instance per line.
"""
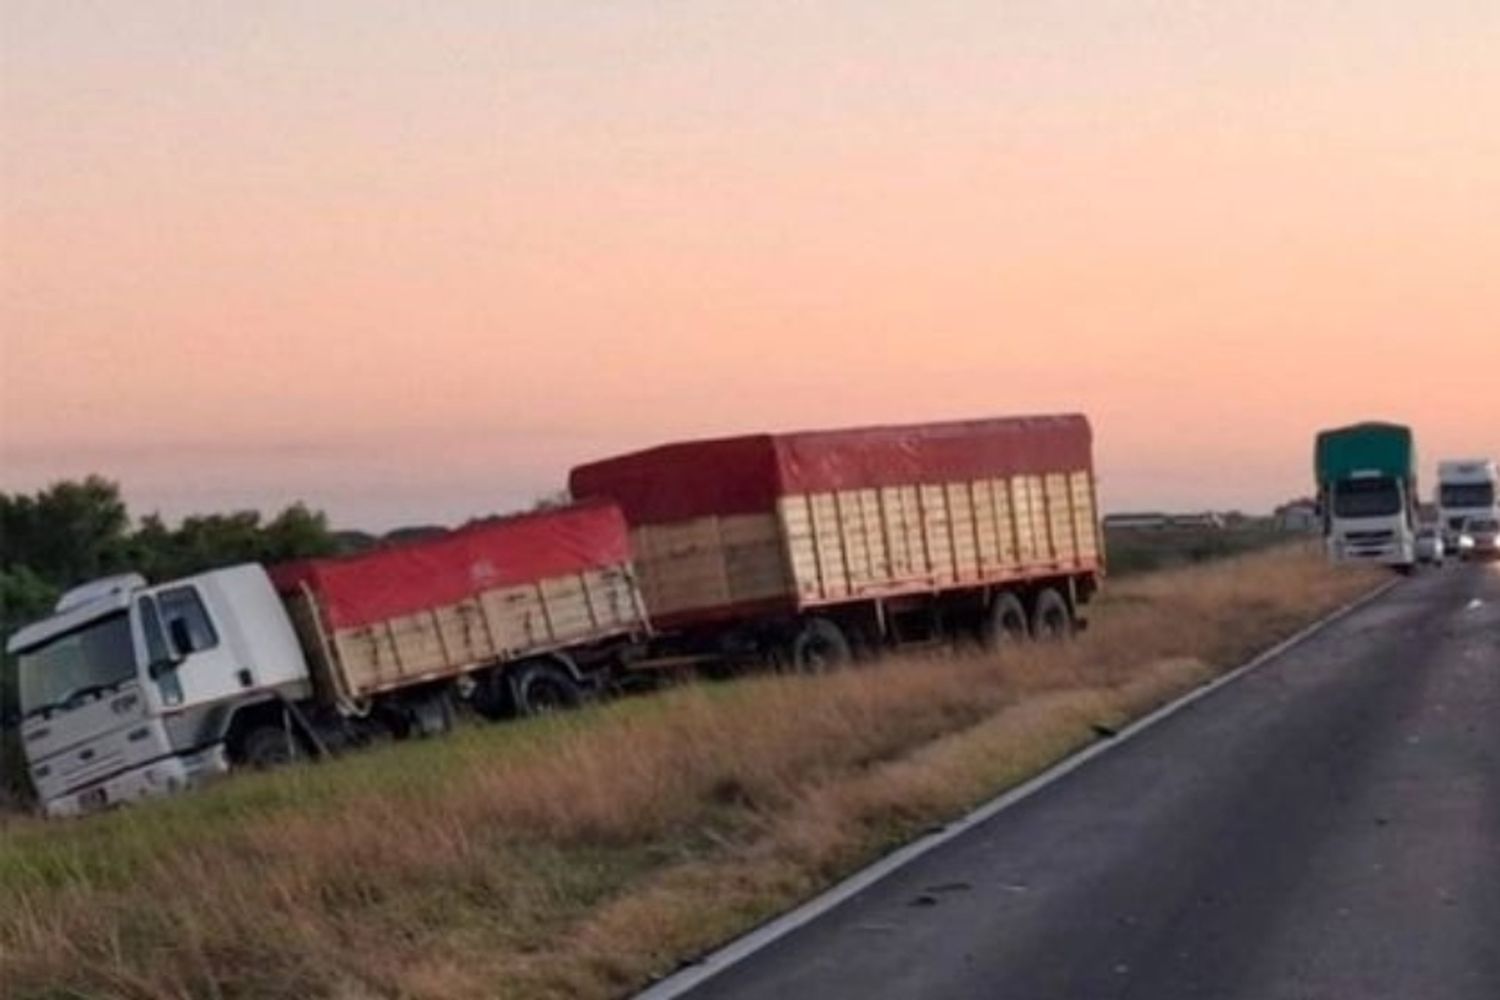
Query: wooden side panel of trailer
x=495 y=625
x=711 y=562
x=847 y=545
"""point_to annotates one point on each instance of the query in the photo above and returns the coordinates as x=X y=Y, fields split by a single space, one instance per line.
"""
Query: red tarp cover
x=403 y=579
x=745 y=475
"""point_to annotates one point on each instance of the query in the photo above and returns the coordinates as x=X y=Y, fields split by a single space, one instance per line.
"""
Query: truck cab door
x=190 y=662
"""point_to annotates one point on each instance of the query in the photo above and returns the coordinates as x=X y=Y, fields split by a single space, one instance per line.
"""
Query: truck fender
x=294 y=716
x=567 y=664
x=200 y=726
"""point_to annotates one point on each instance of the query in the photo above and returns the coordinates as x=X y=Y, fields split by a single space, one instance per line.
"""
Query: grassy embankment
x=581 y=855
x=1145 y=550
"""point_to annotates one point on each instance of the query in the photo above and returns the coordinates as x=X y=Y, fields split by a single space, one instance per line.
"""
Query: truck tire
x=265 y=746
x=820 y=645
x=431 y=716
x=1005 y=623
x=1050 y=618
x=543 y=688
x=491 y=697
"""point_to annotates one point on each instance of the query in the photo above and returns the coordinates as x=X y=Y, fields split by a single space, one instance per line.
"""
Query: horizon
x=1107 y=510
x=410 y=267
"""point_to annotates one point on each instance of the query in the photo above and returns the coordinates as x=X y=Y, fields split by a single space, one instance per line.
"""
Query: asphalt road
x=1326 y=826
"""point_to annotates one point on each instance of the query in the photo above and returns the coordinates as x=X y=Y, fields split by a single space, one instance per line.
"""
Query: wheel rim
x=814 y=653
x=546 y=694
x=1054 y=623
x=1007 y=626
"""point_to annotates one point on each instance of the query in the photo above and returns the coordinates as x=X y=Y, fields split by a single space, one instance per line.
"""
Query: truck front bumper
x=160 y=777
x=1386 y=557
x=1385 y=551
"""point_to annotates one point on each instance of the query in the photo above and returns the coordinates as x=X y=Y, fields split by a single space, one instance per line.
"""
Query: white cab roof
x=75 y=615
x=1467 y=470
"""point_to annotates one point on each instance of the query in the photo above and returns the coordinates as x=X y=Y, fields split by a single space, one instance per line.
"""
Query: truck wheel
x=820 y=646
x=1005 y=623
x=1050 y=618
x=267 y=746
x=542 y=688
x=431 y=716
x=491 y=697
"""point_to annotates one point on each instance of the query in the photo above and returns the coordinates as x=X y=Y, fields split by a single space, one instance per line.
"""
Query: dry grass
x=580 y=856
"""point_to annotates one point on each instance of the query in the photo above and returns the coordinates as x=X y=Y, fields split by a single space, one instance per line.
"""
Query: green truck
x=1367 y=491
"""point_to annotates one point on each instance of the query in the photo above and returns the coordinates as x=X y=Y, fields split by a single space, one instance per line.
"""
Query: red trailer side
x=482 y=596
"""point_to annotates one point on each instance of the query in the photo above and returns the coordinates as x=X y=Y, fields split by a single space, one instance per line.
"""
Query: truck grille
x=82 y=767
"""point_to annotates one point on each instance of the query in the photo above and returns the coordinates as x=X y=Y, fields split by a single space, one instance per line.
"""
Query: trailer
x=809 y=547
x=553 y=588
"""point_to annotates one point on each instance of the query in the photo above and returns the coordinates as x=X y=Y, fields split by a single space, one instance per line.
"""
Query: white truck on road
x=1466 y=488
x=1367 y=490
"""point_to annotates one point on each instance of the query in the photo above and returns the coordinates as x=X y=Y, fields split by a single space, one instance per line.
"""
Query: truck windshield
x=88 y=661
x=1377 y=496
x=1464 y=495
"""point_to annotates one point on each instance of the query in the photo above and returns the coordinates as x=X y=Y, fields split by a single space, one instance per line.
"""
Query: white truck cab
x=1466 y=488
x=130 y=690
x=1372 y=520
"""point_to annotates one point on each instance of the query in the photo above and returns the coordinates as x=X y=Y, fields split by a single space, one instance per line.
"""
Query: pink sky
x=410 y=265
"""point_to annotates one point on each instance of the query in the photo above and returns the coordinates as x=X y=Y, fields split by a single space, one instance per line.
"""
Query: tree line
x=75 y=531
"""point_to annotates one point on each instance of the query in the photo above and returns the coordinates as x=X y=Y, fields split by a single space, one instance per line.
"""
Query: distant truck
x=1466 y=488
x=1367 y=491
x=131 y=690
x=806 y=548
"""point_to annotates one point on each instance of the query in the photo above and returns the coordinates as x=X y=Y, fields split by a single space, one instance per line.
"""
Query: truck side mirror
x=180 y=644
